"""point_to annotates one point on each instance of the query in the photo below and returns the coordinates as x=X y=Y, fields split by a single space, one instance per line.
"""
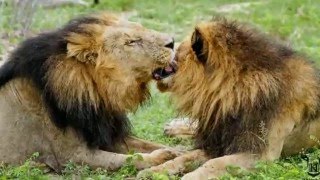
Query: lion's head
x=115 y=57
x=105 y=39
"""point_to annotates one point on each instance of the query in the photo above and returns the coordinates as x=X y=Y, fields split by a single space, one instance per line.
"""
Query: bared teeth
x=157 y=76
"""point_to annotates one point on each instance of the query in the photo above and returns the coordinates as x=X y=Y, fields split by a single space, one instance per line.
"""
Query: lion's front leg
x=180 y=164
x=215 y=168
x=113 y=161
x=140 y=145
x=99 y=158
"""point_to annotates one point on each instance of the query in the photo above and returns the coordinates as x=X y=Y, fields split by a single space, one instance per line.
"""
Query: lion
x=65 y=93
x=180 y=127
x=252 y=97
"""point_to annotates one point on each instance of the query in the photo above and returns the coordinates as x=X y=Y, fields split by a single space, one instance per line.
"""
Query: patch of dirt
x=55 y=3
x=128 y=14
x=236 y=7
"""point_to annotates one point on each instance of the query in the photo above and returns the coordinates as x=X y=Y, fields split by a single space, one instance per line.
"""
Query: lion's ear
x=81 y=53
x=199 y=46
x=82 y=48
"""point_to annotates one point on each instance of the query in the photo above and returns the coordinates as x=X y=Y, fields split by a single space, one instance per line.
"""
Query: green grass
x=295 y=21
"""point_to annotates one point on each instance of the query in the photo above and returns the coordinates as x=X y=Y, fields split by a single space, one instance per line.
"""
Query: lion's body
x=65 y=94
x=253 y=98
x=26 y=128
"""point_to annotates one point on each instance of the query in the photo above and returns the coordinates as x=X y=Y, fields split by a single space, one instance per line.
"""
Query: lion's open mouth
x=161 y=73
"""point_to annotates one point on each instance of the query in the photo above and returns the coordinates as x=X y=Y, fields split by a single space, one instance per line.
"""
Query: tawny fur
x=65 y=94
x=180 y=127
x=253 y=98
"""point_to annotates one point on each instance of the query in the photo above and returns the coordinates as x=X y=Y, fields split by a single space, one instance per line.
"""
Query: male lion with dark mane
x=65 y=93
x=252 y=98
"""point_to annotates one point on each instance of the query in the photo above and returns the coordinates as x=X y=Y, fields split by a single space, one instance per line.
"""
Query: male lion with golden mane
x=65 y=93
x=252 y=98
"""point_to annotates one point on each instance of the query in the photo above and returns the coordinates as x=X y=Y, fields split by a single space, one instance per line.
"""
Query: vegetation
x=294 y=21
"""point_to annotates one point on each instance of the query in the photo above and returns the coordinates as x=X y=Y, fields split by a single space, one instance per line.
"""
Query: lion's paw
x=162 y=155
x=158 y=157
x=200 y=173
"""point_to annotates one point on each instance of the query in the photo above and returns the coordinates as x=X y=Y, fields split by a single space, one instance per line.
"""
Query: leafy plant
x=29 y=170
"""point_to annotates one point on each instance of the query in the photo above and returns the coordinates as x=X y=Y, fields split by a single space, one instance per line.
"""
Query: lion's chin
x=165 y=84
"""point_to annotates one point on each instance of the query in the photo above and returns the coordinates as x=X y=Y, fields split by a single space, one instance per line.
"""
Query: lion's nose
x=170 y=45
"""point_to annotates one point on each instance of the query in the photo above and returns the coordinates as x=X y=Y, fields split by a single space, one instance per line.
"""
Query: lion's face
x=214 y=46
x=129 y=46
x=141 y=50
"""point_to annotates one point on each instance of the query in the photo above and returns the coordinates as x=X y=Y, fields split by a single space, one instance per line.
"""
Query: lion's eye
x=133 y=42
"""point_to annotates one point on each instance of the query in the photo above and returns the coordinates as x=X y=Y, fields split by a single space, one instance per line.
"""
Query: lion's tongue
x=168 y=69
